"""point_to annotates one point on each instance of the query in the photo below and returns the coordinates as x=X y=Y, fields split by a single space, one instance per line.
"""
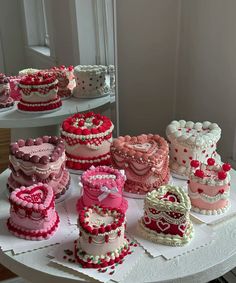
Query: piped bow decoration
x=106 y=191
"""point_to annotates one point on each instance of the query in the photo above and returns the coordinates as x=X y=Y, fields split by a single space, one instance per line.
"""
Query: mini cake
x=15 y=92
x=87 y=139
x=103 y=186
x=145 y=161
x=90 y=81
x=102 y=239
x=166 y=217
x=39 y=160
x=32 y=212
x=188 y=141
x=5 y=100
x=209 y=187
x=39 y=93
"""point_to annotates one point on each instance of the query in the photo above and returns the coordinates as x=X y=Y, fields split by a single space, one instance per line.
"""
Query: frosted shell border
x=212 y=212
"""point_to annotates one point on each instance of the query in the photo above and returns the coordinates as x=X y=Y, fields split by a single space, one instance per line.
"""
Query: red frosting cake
x=5 y=100
x=87 y=139
x=32 y=212
x=145 y=161
x=39 y=160
x=39 y=93
x=103 y=186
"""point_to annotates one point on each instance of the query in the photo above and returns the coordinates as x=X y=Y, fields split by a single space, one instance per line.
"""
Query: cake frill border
x=211 y=212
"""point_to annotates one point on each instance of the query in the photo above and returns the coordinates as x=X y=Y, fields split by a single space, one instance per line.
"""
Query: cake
x=145 y=161
x=32 y=212
x=209 y=187
x=15 y=92
x=90 y=81
x=39 y=160
x=5 y=100
x=188 y=141
x=102 y=239
x=166 y=217
x=102 y=186
x=87 y=138
x=39 y=93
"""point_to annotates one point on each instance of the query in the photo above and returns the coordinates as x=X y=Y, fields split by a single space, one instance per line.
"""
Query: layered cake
x=103 y=186
x=32 y=213
x=189 y=141
x=145 y=161
x=166 y=217
x=5 y=100
x=39 y=93
x=102 y=239
x=87 y=137
x=209 y=187
x=90 y=81
x=39 y=160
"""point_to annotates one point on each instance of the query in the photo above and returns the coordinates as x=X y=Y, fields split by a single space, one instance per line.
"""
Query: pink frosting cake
x=87 y=137
x=102 y=239
x=32 y=212
x=145 y=161
x=103 y=186
x=39 y=160
x=39 y=93
x=5 y=100
x=209 y=187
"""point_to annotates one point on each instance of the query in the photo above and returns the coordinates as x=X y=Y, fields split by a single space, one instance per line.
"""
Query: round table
x=201 y=265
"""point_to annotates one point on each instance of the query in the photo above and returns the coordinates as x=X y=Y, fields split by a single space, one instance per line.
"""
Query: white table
x=201 y=265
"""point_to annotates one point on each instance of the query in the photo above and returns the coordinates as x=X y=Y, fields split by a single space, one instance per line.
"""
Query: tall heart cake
x=188 y=141
x=166 y=217
x=5 y=100
x=102 y=186
x=145 y=161
x=39 y=160
x=102 y=239
x=32 y=212
x=87 y=137
x=209 y=187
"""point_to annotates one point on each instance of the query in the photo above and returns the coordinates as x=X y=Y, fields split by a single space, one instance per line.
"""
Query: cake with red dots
x=189 y=141
x=102 y=240
x=209 y=187
x=39 y=160
x=166 y=217
x=6 y=102
x=32 y=212
x=39 y=93
x=145 y=161
x=103 y=186
x=87 y=138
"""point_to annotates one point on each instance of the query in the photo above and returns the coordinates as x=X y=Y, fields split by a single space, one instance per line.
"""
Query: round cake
x=5 y=100
x=145 y=161
x=189 y=141
x=87 y=138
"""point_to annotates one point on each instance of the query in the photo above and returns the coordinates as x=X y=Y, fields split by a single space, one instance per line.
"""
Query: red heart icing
x=185 y=150
x=200 y=191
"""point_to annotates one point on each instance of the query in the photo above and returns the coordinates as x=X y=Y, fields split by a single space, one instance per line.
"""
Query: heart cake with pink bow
x=102 y=186
x=32 y=212
x=166 y=217
x=145 y=161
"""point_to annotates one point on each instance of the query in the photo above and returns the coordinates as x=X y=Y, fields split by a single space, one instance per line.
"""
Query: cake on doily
x=90 y=81
x=39 y=160
x=209 y=187
x=102 y=186
x=87 y=137
x=102 y=239
x=39 y=93
x=189 y=141
x=145 y=161
x=166 y=217
x=5 y=100
x=32 y=213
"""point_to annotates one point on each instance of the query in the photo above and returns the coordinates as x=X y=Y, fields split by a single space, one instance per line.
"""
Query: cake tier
x=40 y=106
x=144 y=159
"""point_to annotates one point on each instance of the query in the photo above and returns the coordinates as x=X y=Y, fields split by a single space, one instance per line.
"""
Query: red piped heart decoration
x=185 y=150
x=200 y=191
x=221 y=191
x=36 y=195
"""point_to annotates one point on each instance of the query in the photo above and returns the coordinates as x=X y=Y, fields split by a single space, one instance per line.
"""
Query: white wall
x=147 y=46
x=207 y=66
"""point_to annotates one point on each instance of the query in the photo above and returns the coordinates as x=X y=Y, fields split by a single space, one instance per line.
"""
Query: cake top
x=194 y=134
x=144 y=148
x=211 y=174
x=86 y=126
x=38 y=79
x=90 y=69
x=40 y=150
x=3 y=79
x=168 y=198
x=28 y=71
x=97 y=220
x=63 y=68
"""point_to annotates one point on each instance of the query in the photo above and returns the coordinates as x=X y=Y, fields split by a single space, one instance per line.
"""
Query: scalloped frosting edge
x=212 y=212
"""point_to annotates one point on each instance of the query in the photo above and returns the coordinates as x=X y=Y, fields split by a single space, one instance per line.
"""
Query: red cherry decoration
x=96 y=122
x=226 y=167
x=195 y=163
x=210 y=161
x=222 y=175
x=199 y=173
x=81 y=123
